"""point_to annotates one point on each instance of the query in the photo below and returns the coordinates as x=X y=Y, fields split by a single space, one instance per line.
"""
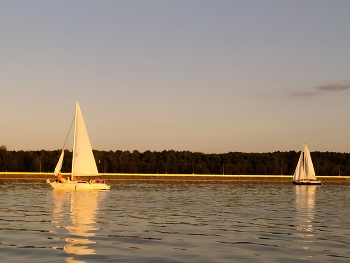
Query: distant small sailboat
x=305 y=172
x=83 y=162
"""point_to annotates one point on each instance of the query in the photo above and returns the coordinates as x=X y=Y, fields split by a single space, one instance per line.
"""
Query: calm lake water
x=175 y=222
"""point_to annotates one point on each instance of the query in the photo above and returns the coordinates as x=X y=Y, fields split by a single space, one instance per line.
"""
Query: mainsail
x=83 y=163
x=305 y=169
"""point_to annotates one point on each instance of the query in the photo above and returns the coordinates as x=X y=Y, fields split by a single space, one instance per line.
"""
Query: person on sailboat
x=92 y=181
x=59 y=178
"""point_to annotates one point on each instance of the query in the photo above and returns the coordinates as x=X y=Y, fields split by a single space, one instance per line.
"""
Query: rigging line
x=68 y=132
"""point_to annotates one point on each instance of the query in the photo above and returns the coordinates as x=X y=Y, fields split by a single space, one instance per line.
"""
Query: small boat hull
x=78 y=185
x=307 y=182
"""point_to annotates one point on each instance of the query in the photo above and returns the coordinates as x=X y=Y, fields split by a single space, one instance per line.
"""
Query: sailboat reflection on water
x=81 y=226
x=305 y=207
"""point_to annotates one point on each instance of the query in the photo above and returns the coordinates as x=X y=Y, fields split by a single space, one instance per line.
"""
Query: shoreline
x=178 y=177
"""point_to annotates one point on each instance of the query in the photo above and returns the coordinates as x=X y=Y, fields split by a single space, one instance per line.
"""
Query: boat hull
x=78 y=185
x=307 y=182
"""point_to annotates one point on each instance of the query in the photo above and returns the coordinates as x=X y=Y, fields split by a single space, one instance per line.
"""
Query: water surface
x=175 y=222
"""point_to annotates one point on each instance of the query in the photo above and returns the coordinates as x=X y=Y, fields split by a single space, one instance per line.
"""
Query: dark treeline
x=178 y=162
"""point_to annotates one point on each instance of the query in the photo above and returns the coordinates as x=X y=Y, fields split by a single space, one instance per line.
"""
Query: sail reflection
x=305 y=206
x=83 y=206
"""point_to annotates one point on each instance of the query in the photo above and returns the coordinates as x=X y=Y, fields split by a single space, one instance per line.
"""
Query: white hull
x=306 y=182
x=78 y=185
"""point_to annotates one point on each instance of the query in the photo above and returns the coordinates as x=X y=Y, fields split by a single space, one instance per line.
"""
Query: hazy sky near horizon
x=207 y=76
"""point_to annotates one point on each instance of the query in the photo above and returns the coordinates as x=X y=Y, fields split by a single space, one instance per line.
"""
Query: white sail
x=305 y=169
x=83 y=163
x=59 y=164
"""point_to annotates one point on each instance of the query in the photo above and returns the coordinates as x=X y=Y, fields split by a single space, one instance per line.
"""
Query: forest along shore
x=180 y=177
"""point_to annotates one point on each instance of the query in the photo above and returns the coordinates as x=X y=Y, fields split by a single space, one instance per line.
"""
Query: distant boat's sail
x=83 y=163
x=59 y=164
x=305 y=169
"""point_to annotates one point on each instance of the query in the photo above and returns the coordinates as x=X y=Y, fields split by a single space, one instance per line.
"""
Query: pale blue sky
x=208 y=76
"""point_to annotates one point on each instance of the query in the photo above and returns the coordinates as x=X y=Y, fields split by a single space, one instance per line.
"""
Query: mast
x=75 y=130
x=303 y=165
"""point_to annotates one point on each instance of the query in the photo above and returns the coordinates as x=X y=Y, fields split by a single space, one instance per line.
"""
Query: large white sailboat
x=305 y=172
x=83 y=162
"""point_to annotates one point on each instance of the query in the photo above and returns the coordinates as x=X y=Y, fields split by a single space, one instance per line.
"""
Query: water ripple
x=175 y=222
